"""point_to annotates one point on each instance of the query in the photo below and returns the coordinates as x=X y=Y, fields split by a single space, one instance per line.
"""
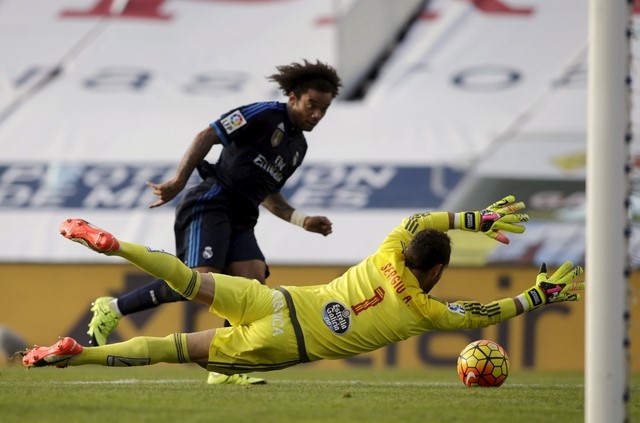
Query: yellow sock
x=163 y=266
x=139 y=351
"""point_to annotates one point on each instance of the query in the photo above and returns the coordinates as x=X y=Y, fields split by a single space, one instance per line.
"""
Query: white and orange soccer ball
x=483 y=363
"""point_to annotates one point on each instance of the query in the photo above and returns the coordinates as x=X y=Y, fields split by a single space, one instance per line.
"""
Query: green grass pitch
x=173 y=393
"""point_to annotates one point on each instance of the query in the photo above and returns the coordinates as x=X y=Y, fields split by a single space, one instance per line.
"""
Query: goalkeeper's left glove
x=556 y=288
x=499 y=216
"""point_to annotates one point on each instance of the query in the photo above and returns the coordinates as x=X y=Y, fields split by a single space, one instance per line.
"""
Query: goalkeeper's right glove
x=556 y=288
x=499 y=216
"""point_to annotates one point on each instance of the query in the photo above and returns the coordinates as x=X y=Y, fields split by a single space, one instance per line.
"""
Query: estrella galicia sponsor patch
x=456 y=308
x=337 y=317
x=233 y=121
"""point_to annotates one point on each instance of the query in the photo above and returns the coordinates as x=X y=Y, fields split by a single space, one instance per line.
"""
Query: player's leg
x=138 y=351
x=195 y=229
x=244 y=302
x=202 y=231
x=162 y=265
x=107 y=311
x=198 y=344
x=251 y=269
x=244 y=257
x=146 y=297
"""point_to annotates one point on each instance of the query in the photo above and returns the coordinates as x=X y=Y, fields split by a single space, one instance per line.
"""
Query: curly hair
x=428 y=248
x=301 y=77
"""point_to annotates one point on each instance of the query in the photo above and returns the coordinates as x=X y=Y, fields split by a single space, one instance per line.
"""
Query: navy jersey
x=261 y=150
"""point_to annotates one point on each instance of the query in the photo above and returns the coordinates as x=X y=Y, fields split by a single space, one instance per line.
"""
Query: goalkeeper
x=382 y=300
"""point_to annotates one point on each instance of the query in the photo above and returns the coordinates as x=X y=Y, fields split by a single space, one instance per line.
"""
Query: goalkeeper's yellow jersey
x=379 y=302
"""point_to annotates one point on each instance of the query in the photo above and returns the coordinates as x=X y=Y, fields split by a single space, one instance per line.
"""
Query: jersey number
x=370 y=302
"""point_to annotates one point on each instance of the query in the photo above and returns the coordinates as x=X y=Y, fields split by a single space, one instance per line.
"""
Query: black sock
x=149 y=296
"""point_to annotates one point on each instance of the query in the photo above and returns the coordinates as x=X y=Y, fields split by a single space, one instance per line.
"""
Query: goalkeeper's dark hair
x=428 y=248
x=301 y=77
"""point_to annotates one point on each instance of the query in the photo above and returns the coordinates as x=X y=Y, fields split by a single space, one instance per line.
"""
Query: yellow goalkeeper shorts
x=261 y=337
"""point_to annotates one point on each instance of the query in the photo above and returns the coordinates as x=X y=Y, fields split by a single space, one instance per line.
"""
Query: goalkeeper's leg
x=138 y=351
x=185 y=281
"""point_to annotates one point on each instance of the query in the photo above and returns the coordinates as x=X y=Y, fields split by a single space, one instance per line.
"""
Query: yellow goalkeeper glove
x=556 y=288
x=499 y=216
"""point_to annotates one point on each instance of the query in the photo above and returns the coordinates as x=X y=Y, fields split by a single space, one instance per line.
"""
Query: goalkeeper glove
x=556 y=288
x=499 y=216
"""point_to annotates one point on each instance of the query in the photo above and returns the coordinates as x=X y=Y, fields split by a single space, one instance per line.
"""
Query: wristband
x=297 y=218
x=534 y=297
x=465 y=221
x=456 y=220
x=523 y=301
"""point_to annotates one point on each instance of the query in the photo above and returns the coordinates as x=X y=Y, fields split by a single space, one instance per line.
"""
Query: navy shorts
x=213 y=229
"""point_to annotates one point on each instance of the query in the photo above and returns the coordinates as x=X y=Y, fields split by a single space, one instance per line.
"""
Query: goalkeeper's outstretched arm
x=560 y=286
x=492 y=221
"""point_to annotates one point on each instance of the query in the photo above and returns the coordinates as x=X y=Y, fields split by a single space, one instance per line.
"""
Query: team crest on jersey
x=276 y=137
x=337 y=317
x=233 y=121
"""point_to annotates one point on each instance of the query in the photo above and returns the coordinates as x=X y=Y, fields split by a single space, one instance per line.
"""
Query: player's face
x=432 y=277
x=308 y=109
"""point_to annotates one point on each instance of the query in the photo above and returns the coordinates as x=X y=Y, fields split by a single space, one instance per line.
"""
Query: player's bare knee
x=250 y=269
x=206 y=290
x=198 y=345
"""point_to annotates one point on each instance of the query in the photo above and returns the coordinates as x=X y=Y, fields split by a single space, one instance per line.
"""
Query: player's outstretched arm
x=497 y=218
x=560 y=286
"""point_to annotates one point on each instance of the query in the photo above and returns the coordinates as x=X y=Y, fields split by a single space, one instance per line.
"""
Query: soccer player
x=263 y=144
x=382 y=300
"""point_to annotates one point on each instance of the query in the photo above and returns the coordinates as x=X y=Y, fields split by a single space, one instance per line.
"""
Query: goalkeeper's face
x=429 y=278
x=427 y=255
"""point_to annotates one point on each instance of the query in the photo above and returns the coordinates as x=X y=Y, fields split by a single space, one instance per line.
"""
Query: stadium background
x=449 y=105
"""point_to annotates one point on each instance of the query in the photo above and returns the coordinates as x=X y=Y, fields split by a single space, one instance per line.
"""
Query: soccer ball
x=483 y=363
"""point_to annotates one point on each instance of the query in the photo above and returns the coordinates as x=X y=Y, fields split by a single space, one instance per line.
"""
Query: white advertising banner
x=96 y=100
